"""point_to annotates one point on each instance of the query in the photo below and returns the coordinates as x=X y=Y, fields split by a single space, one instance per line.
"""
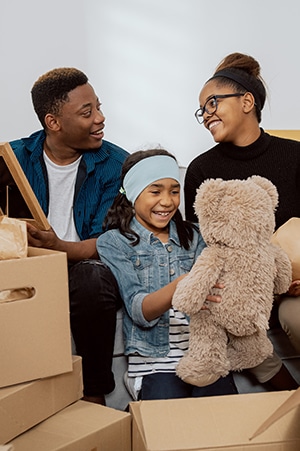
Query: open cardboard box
x=22 y=406
x=256 y=421
x=83 y=426
x=35 y=332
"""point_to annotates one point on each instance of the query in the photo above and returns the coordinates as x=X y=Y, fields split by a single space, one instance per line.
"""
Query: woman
x=231 y=102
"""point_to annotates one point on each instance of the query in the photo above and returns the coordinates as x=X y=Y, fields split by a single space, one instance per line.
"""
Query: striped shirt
x=179 y=340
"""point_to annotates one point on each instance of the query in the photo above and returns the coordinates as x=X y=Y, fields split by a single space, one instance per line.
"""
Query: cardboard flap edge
x=291 y=403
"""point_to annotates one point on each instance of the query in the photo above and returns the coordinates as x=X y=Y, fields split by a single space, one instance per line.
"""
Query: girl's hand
x=294 y=289
x=213 y=297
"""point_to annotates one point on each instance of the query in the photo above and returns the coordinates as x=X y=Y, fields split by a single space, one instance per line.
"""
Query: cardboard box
x=231 y=423
x=35 y=333
x=23 y=406
x=83 y=426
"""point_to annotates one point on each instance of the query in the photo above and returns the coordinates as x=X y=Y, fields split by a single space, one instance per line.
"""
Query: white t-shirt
x=61 y=196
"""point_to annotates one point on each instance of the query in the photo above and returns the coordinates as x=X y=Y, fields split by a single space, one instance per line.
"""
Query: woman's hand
x=294 y=289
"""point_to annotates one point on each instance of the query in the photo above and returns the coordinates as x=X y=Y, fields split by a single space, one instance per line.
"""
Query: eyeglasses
x=211 y=105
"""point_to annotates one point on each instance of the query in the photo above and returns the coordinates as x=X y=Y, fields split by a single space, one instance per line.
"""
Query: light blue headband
x=147 y=171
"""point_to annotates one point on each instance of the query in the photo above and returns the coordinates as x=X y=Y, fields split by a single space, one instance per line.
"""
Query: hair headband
x=239 y=77
x=147 y=171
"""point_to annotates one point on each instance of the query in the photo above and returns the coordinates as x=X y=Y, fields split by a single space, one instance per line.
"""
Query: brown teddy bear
x=236 y=219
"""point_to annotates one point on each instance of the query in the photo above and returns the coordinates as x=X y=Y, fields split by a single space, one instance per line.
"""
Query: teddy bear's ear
x=267 y=186
x=208 y=197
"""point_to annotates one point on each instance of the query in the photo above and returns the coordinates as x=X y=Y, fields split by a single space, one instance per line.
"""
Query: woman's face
x=228 y=123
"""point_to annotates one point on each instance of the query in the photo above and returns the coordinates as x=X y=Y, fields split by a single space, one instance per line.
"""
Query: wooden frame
x=13 y=181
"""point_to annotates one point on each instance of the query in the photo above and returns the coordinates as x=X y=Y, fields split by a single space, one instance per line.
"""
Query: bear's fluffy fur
x=236 y=220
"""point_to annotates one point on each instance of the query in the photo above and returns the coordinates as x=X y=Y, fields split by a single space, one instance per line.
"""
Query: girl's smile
x=157 y=204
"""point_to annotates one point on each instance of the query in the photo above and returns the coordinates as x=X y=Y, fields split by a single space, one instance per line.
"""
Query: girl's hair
x=121 y=212
x=246 y=70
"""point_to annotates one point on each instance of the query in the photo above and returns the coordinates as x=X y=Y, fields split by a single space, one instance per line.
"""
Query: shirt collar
x=149 y=237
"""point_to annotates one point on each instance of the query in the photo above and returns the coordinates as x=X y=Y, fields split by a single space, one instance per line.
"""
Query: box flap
x=291 y=403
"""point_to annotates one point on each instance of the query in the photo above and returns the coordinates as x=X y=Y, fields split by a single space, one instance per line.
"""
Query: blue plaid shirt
x=97 y=183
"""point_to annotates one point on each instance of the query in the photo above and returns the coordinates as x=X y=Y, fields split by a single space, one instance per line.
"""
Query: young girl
x=149 y=248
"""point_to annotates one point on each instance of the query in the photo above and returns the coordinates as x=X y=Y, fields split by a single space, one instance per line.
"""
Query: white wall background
x=147 y=60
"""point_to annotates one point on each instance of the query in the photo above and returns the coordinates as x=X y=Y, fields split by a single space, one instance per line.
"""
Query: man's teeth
x=162 y=213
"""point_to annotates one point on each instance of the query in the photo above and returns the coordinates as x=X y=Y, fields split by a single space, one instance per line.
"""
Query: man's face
x=81 y=121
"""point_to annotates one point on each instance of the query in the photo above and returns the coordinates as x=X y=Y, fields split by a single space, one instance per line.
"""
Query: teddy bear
x=236 y=220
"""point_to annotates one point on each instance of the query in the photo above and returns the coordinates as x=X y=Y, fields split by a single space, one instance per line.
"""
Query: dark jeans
x=94 y=301
x=169 y=386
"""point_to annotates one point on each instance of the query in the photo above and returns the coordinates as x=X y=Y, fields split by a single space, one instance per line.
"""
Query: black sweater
x=277 y=159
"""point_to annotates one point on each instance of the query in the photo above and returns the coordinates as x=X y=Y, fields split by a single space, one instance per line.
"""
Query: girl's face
x=157 y=204
x=229 y=122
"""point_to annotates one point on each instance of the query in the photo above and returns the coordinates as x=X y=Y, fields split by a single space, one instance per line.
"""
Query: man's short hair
x=51 y=90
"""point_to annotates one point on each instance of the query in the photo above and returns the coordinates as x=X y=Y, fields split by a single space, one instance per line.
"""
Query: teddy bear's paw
x=240 y=362
x=201 y=381
x=248 y=352
x=195 y=374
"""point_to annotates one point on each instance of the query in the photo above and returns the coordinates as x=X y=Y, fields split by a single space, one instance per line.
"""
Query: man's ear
x=248 y=102
x=52 y=122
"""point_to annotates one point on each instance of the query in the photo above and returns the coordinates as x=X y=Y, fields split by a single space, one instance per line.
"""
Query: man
x=75 y=175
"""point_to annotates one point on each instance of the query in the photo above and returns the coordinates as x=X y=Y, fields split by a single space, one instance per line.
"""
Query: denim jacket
x=140 y=270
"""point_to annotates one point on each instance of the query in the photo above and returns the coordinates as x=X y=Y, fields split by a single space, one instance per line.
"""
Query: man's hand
x=75 y=250
x=46 y=239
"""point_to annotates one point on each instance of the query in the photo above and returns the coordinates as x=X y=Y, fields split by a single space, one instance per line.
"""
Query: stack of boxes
x=40 y=380
x=41 y=387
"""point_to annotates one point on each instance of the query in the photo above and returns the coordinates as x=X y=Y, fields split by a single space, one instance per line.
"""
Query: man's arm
x=48 y=239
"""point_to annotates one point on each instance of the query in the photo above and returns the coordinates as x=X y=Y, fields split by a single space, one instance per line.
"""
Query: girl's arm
x=160 y=301
x=114 y=250
x=143 y=307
